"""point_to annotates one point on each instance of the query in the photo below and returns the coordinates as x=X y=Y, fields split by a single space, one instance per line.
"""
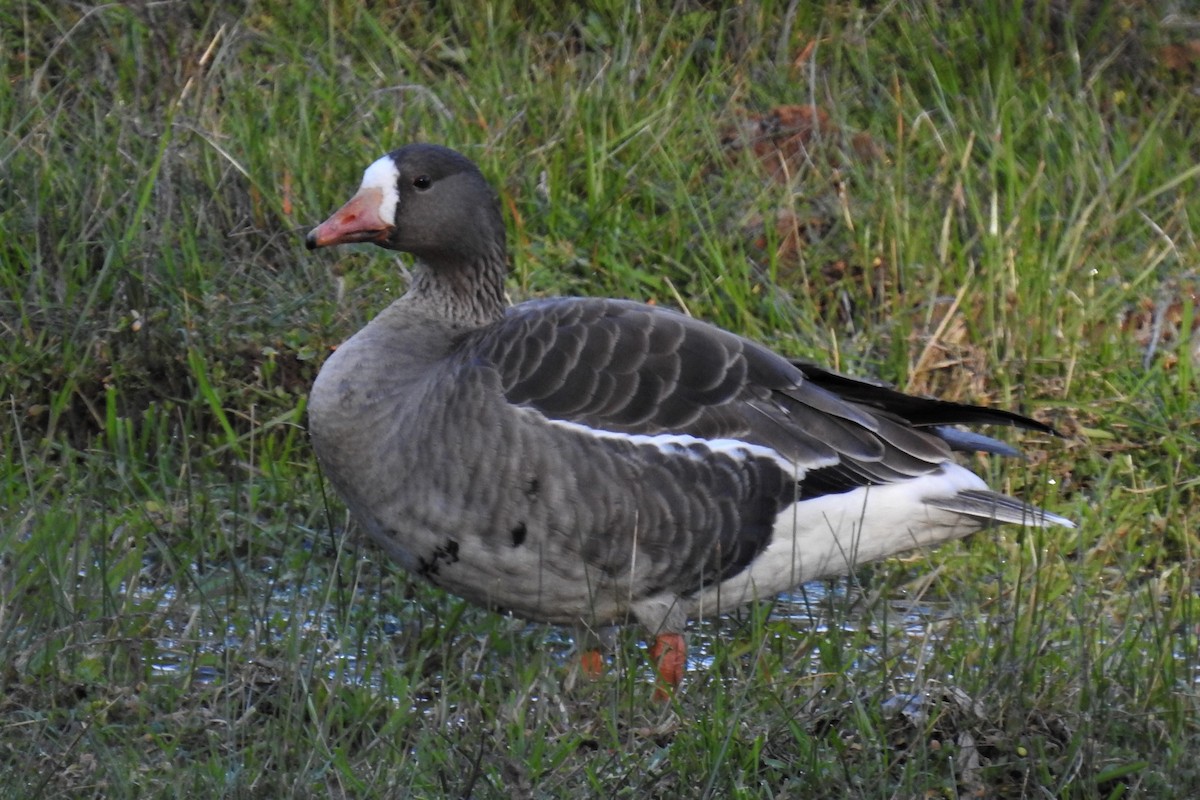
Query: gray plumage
x=588 y=460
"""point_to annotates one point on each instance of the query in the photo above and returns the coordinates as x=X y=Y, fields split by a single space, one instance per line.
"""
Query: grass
x=180 y=611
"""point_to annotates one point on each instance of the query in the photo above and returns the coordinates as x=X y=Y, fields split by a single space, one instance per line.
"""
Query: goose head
x=422 y=199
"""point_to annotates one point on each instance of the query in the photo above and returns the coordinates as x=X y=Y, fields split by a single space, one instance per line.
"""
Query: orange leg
x=669 y=653
x=592 y=664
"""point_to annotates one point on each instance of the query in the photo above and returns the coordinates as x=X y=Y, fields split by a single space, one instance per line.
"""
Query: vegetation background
x=996 y=203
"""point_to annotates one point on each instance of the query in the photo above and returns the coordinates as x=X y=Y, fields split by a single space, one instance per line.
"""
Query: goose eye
x=422 y=182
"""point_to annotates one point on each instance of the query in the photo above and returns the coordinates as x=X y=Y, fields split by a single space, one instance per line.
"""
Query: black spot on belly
x=518 y=534
x=445 y=554
x=532 y=487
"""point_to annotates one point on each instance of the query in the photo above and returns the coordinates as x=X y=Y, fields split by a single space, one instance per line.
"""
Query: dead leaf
x=1180 y=57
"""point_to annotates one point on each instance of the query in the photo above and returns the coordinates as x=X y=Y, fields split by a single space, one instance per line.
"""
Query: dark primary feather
x=936 y=416
x=917 y=411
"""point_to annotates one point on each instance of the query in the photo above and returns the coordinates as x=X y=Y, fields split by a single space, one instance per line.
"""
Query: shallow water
x=203 y=654
x=894 y=635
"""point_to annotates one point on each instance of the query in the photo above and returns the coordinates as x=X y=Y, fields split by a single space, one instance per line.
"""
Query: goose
x=593 y=461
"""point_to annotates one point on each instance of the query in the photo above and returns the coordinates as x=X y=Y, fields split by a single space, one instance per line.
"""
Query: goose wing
x=628 y=368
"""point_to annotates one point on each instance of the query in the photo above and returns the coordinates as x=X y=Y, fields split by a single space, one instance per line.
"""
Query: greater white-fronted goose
x=590 y=461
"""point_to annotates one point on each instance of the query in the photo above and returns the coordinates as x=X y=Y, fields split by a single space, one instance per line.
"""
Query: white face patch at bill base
x=384 y=176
